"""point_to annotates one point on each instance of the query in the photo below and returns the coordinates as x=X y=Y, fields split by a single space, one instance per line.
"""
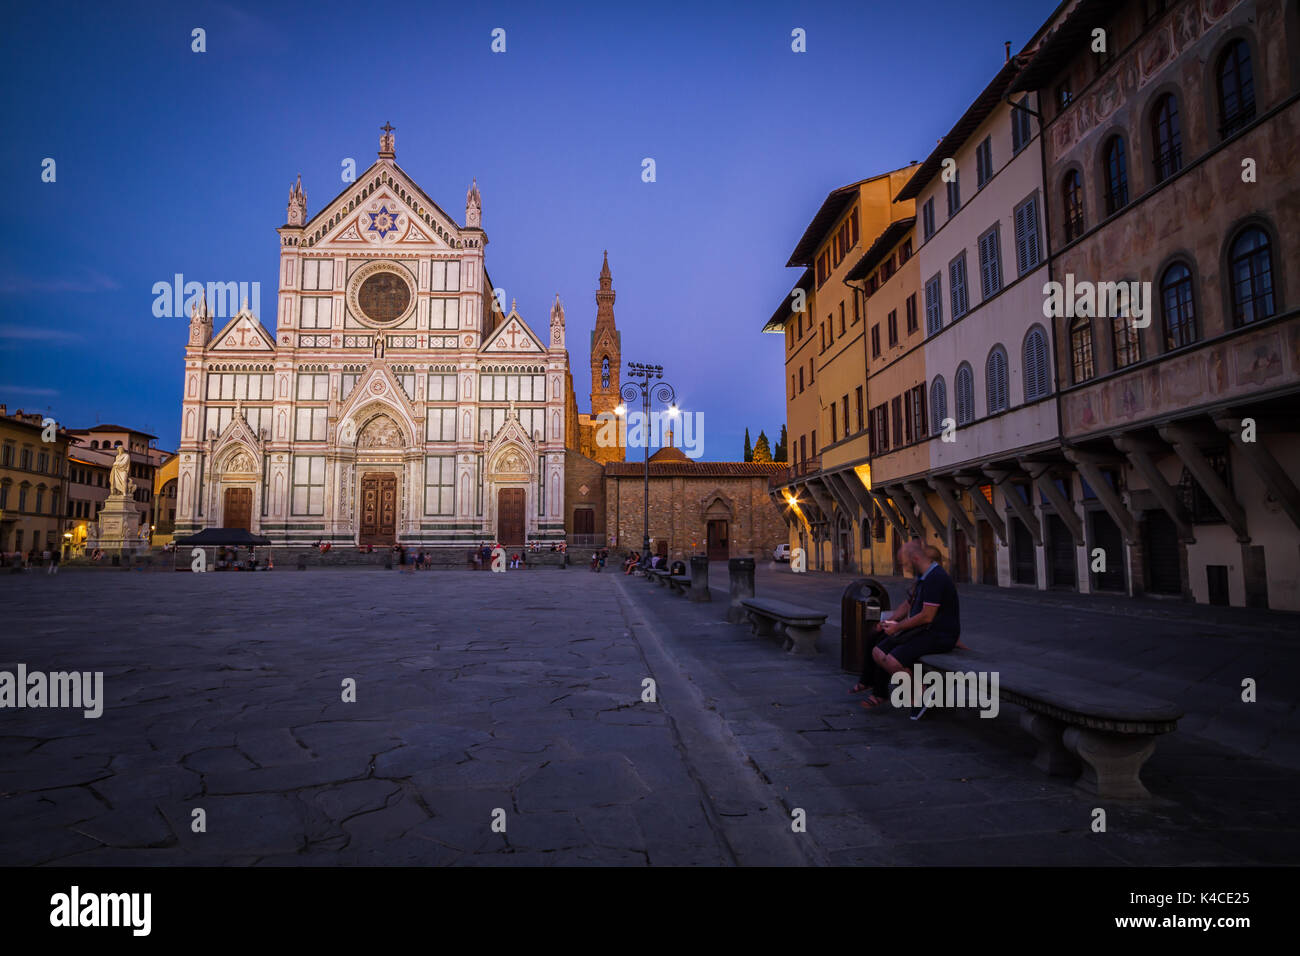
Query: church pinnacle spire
x=473 y=205
x=388 y=142
x=297 y=214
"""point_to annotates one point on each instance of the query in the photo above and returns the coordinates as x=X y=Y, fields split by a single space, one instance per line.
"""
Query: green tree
x=762 y=450
x=749 y=449
x=782 y=452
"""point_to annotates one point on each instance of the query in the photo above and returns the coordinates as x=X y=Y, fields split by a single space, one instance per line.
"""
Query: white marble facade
x=394 y=402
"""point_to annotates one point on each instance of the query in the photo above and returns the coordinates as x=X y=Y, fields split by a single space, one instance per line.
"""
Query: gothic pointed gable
x=376 y=387
x=243 y=333
x=510 y=450
x=513 y=335
x=384 y=207
x=237 y=435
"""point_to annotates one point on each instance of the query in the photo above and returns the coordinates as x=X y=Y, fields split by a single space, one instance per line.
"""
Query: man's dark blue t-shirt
x=935 y=587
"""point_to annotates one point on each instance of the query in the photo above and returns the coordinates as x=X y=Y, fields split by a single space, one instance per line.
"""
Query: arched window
x=1116 y=175
x=1072 y=199
x=1125 y=340
x=1250 y=264
x=1166 y=138
x=1038 y=382
x=604 y=372
x=1081 y=349
x=1236 y=89
x=965 y=386
x=1178 y=306
x=995 y=380
x=938 y=404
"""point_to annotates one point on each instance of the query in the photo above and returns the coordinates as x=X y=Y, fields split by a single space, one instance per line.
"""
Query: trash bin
x=679 y=568
x=863 y=603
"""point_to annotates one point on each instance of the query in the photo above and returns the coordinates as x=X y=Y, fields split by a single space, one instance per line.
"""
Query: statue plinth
x=119 y=526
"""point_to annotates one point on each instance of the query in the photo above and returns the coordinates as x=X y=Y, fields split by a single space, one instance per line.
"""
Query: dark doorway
x=1062 y=567
x=1023 y=569
x=1106 y=536
x=719 y=548
x=960 y=556
x=378 y=509
x=988 y=554
x=510 y=517
x=1163 y=554
x=584 y=521
x=238 y=510
x=1216 y=578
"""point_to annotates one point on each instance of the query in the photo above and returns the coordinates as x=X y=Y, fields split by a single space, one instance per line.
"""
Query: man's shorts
x=910 y=645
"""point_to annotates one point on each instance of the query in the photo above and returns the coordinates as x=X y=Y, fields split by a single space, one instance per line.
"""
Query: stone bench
x=680 y=583
x=1100 y=732
x=798 y=627
x=657 y=575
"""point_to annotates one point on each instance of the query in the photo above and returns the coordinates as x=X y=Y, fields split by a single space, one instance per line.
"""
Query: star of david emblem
x=383 y=222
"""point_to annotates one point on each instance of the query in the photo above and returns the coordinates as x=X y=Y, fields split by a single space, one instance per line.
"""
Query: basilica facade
x=395 y=401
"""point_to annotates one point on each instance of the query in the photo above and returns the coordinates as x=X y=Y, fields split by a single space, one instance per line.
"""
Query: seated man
x=931 y=624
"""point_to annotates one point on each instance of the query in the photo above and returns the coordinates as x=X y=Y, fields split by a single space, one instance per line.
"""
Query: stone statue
x=120 y=482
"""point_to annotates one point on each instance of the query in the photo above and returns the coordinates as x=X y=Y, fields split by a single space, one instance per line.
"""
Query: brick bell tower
x=606 y=348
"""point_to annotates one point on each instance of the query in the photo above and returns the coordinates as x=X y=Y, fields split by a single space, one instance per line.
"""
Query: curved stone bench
x=798 y=627
x=1102 y=733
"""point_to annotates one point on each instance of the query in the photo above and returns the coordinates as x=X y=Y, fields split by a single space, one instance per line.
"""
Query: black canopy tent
x=220 y=538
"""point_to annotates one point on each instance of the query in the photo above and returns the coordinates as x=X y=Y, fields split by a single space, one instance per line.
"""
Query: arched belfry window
x=604 y=372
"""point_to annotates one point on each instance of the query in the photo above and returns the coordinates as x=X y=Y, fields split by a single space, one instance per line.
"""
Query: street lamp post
x=645 y=383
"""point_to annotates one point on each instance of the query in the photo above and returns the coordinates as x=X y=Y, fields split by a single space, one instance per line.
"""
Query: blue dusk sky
x=170 y=161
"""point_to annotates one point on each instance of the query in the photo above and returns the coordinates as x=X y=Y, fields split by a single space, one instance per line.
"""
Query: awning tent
x=223 y=537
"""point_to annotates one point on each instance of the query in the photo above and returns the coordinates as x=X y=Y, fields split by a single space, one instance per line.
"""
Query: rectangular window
x=858 y=398
x=857 y=307
x=440 y=425
x=984 y=161
x=844 y=406
x=1028 y=247
x=439 y=485
x=957 y=286
x=810 y=371
x=823 y=268
x=814 y=442
x=309 y=484
x=875 y=340
x=841 y=318
x=954 y=193
x=927 y=218
x=892 y=325
x=933 y=305
x=318 y=274
x=990 y=263
x=444 y=276
x=912 y=323
x=442 y=387
x=315 y=312
x=313 y=387
x=916 y=412
x=309 y=424
x=444 y=313
x=896 y=409
x=1021 y=132
x=835 y=425
x=1064 y=96
x=1128 y=346
x=801 y=378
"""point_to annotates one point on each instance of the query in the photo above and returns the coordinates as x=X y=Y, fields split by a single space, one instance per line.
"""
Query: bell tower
x=606 y=348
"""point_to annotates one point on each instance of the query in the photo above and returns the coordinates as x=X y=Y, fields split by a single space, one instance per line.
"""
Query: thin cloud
x=24 y=390
x=85 y=283
x=36 y=333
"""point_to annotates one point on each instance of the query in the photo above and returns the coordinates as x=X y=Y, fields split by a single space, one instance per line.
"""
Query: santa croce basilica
x=395 y=401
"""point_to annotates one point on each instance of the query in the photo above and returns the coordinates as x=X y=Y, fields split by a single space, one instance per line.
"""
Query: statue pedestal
x=119 y=526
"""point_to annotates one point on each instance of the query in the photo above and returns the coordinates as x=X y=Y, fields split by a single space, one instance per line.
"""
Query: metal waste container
x=679 y=568
x=863 y=603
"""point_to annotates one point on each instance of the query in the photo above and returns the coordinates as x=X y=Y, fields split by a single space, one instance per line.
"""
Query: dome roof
x=669 y=453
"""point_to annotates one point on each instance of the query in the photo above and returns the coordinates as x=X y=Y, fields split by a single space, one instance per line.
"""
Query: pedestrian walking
x=53 y=567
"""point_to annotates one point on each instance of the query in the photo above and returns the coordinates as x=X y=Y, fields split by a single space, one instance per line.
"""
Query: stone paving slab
x=517 y=694
x=954 y=788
